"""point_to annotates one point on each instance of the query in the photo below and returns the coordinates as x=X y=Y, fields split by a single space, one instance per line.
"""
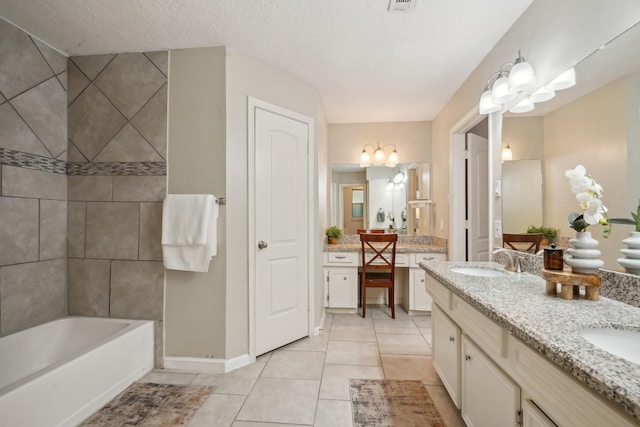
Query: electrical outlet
x=497 y=228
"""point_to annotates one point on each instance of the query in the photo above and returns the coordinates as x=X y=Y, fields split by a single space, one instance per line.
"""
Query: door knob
x=262 y=244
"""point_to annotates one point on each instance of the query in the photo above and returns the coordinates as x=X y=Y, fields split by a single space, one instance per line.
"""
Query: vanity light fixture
x=379 y=156
x=506 y=84
x=507 y=154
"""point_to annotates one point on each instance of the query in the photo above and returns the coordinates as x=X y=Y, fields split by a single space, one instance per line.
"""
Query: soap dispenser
x=553 y=258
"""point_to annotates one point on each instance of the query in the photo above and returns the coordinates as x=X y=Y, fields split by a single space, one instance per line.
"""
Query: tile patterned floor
x=306 y=383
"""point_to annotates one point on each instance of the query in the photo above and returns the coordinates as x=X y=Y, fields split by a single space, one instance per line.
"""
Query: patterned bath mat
x=145 y=404
x=392 y=403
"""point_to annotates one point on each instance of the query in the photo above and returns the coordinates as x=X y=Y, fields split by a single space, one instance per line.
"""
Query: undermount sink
x=620 y=342
x=480 y=271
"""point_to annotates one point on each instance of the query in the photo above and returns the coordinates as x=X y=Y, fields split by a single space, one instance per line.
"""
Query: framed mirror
x=379 y=197
x=595 y=123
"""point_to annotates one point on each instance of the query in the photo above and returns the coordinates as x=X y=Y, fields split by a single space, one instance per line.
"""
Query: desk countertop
x=400 y=248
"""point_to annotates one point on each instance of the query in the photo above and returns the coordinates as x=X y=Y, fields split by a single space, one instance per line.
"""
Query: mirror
x=596 y=123
x=379 y=197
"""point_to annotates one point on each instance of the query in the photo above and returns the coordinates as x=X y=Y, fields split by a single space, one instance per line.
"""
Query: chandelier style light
x=516 y=78
x=379 y=156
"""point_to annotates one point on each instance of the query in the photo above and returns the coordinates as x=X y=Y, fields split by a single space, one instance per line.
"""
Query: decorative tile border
x=31 y=161
x=21 y=159
x=117 y=169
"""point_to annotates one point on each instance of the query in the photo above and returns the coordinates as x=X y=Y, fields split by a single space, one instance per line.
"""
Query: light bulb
x=523 y=106
x=501 y=92
x=507 y=155
x=543 y=94
x=392 y=161
x=564 y=80
x=378 y=156
x=365 y=159
x=487 y=105
x=521 y=76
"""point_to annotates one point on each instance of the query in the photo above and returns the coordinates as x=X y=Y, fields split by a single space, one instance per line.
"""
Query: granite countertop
x=551 y=325
x=400 y=248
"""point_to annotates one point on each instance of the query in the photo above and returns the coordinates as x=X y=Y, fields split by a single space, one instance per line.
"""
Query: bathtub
x=59 y=373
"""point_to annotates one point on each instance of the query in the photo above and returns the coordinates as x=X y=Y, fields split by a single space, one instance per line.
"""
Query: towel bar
x=221 y=200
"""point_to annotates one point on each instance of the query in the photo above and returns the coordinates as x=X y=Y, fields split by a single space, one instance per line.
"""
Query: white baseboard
x=203 y=364
x=318 y=329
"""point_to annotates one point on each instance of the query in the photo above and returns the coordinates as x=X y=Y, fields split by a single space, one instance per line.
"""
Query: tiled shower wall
x=116 y=183
x=33 y=184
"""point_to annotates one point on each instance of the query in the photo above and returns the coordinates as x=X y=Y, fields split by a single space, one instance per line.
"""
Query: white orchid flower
x=594 y=211
x=576 y=173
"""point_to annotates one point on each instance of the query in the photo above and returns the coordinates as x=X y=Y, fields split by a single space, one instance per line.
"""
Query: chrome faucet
x=514 y=261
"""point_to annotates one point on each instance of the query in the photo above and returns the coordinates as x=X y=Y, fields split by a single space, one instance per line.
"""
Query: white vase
x=631 y=260
x=582 y=256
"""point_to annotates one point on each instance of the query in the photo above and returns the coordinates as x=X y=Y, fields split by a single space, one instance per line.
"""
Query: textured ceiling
x=367 y=64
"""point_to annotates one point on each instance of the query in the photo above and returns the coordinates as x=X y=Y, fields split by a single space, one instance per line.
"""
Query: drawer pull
x=451 y=339
x=344 y=278
x=467 y=357
x=340 y=256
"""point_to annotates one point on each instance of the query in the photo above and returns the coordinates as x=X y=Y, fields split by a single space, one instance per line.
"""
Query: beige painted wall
x=525 y=136
x=249 y=77
x=591 y=131
x=207 y=313
x=195 y=302
x=552 y=36
x=412 y=140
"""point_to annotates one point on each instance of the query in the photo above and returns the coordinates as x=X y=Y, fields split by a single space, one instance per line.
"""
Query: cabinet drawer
x=341 y=258
x=402 y=260
x=417 y=258
x=488 y=335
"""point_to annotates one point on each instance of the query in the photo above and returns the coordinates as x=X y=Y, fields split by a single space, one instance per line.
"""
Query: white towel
x=189 y=231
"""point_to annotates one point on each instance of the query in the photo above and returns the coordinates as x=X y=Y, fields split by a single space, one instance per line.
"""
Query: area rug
x=396 y=403
x=144 y=404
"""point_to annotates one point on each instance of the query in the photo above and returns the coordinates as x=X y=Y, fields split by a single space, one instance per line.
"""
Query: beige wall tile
x=76 y=226
x=21 y=182
x=90 y=188
x=32 y=294
x=53 y=229
x=18 y=230
x=22 y=64
x=150 y=231
x=139 y=188
x=112 y=230
x=151 y=121
x=44 y=109
x=137 y=289
x=89 y=287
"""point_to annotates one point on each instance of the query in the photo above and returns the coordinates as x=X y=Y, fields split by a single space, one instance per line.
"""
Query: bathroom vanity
x=508 y=354
x=341 y=262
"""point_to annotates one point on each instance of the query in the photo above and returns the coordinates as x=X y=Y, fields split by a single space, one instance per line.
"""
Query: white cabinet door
x=489 y=396
x=419 y=299
x=342 y=287
x=446 y=353
x=532 y=416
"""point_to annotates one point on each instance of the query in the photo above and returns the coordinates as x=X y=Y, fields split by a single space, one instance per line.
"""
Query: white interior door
x=281 y=227
x=477 y=198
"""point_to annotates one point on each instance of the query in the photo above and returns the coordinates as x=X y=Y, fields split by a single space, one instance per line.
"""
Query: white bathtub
x=59 y=373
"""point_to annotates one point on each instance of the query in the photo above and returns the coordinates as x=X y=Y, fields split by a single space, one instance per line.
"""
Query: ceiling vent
x=401 y=5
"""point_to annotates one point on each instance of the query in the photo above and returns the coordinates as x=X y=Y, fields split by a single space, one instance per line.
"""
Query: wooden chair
x=533 y=239
x=378 y=266
x=373 y=231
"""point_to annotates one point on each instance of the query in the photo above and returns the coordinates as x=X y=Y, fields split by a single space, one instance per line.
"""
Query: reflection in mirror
x=595 y=123
x=377 y=197
x=522 y=195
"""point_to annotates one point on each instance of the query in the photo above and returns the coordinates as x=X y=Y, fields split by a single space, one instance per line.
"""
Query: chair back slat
x=533 y=239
